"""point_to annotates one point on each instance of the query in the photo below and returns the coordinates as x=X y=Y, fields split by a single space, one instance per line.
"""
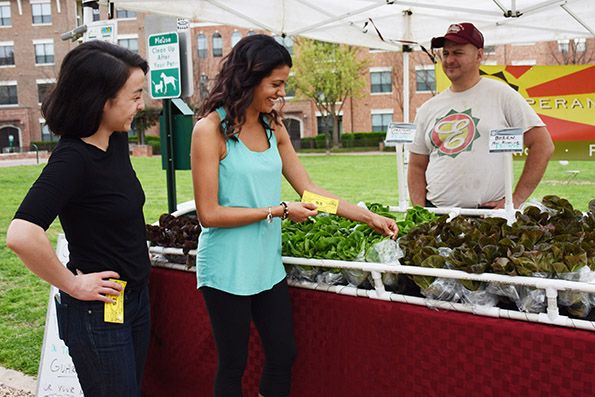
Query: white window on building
x=425 y=78
x=324 y=124
x=563 y=46
x=580 y=44
x=202 y=45
x=235 y=37
x=6 y=53
x=489 y=50
x=96 y=14
x=286 y=42
x=8 y=93
x=380 y=119
x=489 y=62
x=44 y=87
x=217 y=45
x=250 y=33
x=44 y=52
x=5 y=16
x=129 y=42
x=41 y=11
x=381 y=80
x=524 y=62
x=46 y=133
x=125 y=14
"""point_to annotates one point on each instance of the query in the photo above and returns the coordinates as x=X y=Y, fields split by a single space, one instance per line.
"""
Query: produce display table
x=350 y=346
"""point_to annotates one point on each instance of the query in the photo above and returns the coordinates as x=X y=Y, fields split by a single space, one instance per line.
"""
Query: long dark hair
x=91 y=74
x=252 y=59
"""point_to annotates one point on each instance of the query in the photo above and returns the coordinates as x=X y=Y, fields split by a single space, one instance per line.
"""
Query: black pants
x=230 y=318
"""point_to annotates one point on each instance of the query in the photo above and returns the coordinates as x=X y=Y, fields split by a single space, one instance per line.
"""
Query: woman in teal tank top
x=240 y=152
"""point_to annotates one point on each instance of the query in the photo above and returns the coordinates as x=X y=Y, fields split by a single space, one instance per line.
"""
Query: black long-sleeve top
x=99 y=202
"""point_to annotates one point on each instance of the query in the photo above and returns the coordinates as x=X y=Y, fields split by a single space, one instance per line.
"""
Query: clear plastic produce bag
x=509 y=291
x=305 y=273
x=480 y=297
x=331 y=277
x=578 y=303
x=355 y=277
x=444 y=289
x=388 y=252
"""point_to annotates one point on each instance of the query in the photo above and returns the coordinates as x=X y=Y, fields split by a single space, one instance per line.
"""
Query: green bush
x=154 y=142
x=314 y=142
x=149 y=140
x=362 y=139
x=348 y=140
x=49 y=146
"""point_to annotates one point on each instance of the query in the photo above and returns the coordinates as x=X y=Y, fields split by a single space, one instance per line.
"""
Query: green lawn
x=23 y=297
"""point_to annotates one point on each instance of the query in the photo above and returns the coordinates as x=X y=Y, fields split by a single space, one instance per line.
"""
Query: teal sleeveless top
x=244 y=260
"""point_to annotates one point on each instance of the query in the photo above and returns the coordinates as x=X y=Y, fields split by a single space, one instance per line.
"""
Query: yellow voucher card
x=114 y=312
x=324 y=204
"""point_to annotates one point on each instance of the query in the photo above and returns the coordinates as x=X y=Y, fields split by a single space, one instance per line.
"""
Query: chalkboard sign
x=57 y=376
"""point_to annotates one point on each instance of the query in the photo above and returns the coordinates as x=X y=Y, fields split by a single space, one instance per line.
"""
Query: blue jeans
x=109 y=358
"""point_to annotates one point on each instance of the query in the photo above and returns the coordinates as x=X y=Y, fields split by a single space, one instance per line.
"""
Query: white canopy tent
x=354 y=21
x=389 y=24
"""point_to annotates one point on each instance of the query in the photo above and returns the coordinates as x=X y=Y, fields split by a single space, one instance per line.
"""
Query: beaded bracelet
x=285 y=210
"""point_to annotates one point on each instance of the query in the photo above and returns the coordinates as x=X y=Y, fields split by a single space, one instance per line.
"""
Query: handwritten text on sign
x=506 y=140
x=399 y=133
x=56 y=376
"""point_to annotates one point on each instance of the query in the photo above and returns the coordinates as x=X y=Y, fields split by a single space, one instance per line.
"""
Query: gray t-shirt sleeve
x=419 y=142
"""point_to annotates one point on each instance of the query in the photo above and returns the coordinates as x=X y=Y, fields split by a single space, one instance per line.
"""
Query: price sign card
x=506 y=140
x=399 y=133
x=323 y=204
x=114 y=312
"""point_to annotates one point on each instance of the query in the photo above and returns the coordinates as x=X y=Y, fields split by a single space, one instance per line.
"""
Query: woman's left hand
x=384 y=225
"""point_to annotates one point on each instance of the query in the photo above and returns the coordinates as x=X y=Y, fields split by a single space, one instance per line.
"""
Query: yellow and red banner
x=562 y=95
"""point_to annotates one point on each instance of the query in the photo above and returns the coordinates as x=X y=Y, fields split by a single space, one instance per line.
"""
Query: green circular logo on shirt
x=454 y=133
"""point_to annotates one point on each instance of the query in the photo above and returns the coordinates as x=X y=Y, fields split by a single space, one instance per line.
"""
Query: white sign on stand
x=506 y=140
x=57 y=376
x=164 y=65
x=397 y=133
x=102 y=30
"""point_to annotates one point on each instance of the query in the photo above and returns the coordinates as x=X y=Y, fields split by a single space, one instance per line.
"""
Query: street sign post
x=164 y=65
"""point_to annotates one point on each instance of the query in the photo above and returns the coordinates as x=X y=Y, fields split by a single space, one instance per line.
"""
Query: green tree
x=328 y=74
x=144 y=120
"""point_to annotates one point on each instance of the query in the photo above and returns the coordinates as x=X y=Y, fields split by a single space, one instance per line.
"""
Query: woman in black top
x=90 y=185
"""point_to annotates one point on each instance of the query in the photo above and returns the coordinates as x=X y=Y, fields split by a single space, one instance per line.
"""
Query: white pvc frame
x=551 y=287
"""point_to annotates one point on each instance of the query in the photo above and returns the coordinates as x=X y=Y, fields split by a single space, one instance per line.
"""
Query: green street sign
x=164 y=65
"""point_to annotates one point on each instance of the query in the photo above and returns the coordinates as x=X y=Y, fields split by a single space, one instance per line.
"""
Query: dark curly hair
x=252 y=59
x=90 y=74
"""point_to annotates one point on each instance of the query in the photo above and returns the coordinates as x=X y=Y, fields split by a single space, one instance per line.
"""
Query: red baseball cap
x=460 y=33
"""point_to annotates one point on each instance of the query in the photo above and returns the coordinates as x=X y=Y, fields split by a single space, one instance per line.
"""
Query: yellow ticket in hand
x=114 y=312
x=323 y=204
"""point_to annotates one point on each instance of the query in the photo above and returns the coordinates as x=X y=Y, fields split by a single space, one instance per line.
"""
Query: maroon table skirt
x=350 y=346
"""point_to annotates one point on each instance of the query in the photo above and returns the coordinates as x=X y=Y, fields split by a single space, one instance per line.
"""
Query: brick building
x=31 y=52
x=383 y=99
x=30 y=55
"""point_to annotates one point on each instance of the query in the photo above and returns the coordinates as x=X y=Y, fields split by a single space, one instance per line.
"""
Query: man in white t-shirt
x=449 y=163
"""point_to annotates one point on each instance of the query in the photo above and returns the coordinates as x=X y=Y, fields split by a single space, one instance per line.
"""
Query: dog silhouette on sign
x=158 y=87
x=168 y=80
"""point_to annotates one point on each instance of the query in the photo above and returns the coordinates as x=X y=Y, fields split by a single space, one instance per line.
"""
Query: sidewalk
x=14 y=383
x=13 y=163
